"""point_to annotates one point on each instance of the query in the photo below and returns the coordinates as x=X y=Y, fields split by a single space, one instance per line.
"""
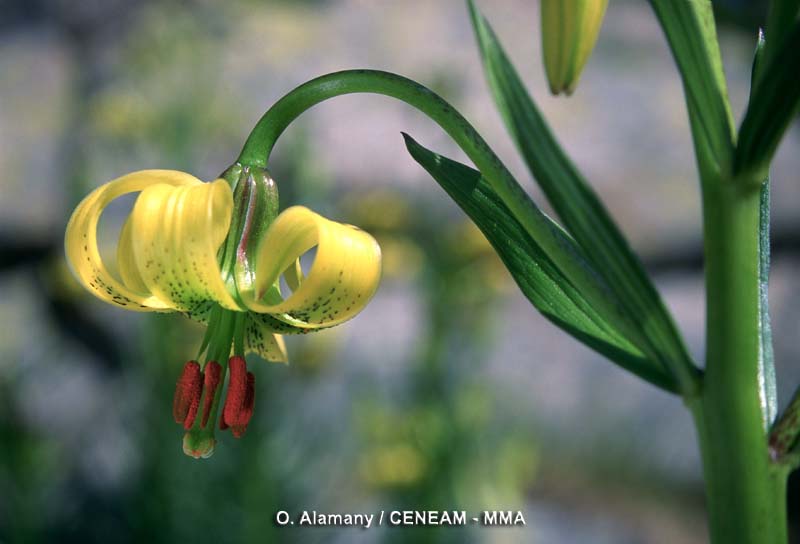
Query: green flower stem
x=745 y=490
x=213 y=318
x=553 y=240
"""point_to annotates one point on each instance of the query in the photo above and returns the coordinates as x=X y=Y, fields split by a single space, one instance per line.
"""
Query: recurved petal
x=293 y=275
x=80 y=241
x=342 y=279
x=126 y=264
x=260 y=338
x=176 y=234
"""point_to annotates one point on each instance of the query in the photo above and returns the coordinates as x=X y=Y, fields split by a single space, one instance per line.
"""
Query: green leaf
x=534 y=272
x=758 y=59
x=691 y=33
x=584 y=216
x=782 y=14
x=766 y=363
x=766 y=359
x=774 y=103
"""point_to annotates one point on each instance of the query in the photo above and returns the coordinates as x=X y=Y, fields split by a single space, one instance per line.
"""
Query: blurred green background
x=449 y=391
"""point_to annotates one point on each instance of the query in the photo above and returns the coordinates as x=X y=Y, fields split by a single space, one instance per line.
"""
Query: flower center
x=198 y=392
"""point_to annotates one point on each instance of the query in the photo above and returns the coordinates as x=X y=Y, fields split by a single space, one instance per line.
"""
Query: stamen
x=195 y=404
x=247 y=408
x=187 y=393
x=237 y=389
x=213 y=372
x=240 y=399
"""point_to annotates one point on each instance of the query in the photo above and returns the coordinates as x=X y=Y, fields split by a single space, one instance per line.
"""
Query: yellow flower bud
x=569 y=32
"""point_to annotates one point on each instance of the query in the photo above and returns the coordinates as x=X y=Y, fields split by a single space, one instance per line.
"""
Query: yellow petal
x=126 y=264
x=342 y=279
x=293 y=275
x=80 y=241
x=261 y=340
x=176 y=234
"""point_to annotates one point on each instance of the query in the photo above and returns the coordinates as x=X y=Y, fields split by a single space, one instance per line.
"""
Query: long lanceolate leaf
x=774 y=103
x=584 y=216
x=537 y=276
x=766 y=362
x=689 y=27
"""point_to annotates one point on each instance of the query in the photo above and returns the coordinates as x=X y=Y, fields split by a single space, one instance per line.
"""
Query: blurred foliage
x=440 y=442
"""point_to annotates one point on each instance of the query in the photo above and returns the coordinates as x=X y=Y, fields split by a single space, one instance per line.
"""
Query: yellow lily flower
x=216 y=252
x=569 y=32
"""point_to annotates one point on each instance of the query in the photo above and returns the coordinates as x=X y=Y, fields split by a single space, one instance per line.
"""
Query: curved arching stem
x=269 y=128
x=558 y=244
x=262 y=139
x=554 y=240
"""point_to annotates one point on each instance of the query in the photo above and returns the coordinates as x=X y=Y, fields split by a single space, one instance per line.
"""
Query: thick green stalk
x=745 y=491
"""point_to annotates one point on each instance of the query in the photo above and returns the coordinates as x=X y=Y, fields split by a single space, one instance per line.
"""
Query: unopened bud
x=569 y=32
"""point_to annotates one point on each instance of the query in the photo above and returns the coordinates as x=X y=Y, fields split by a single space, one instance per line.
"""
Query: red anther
x=237 y=390
x=212 y=372
x=194 y=406
x=187 y=392
x=240 y=399
x=247 y=409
